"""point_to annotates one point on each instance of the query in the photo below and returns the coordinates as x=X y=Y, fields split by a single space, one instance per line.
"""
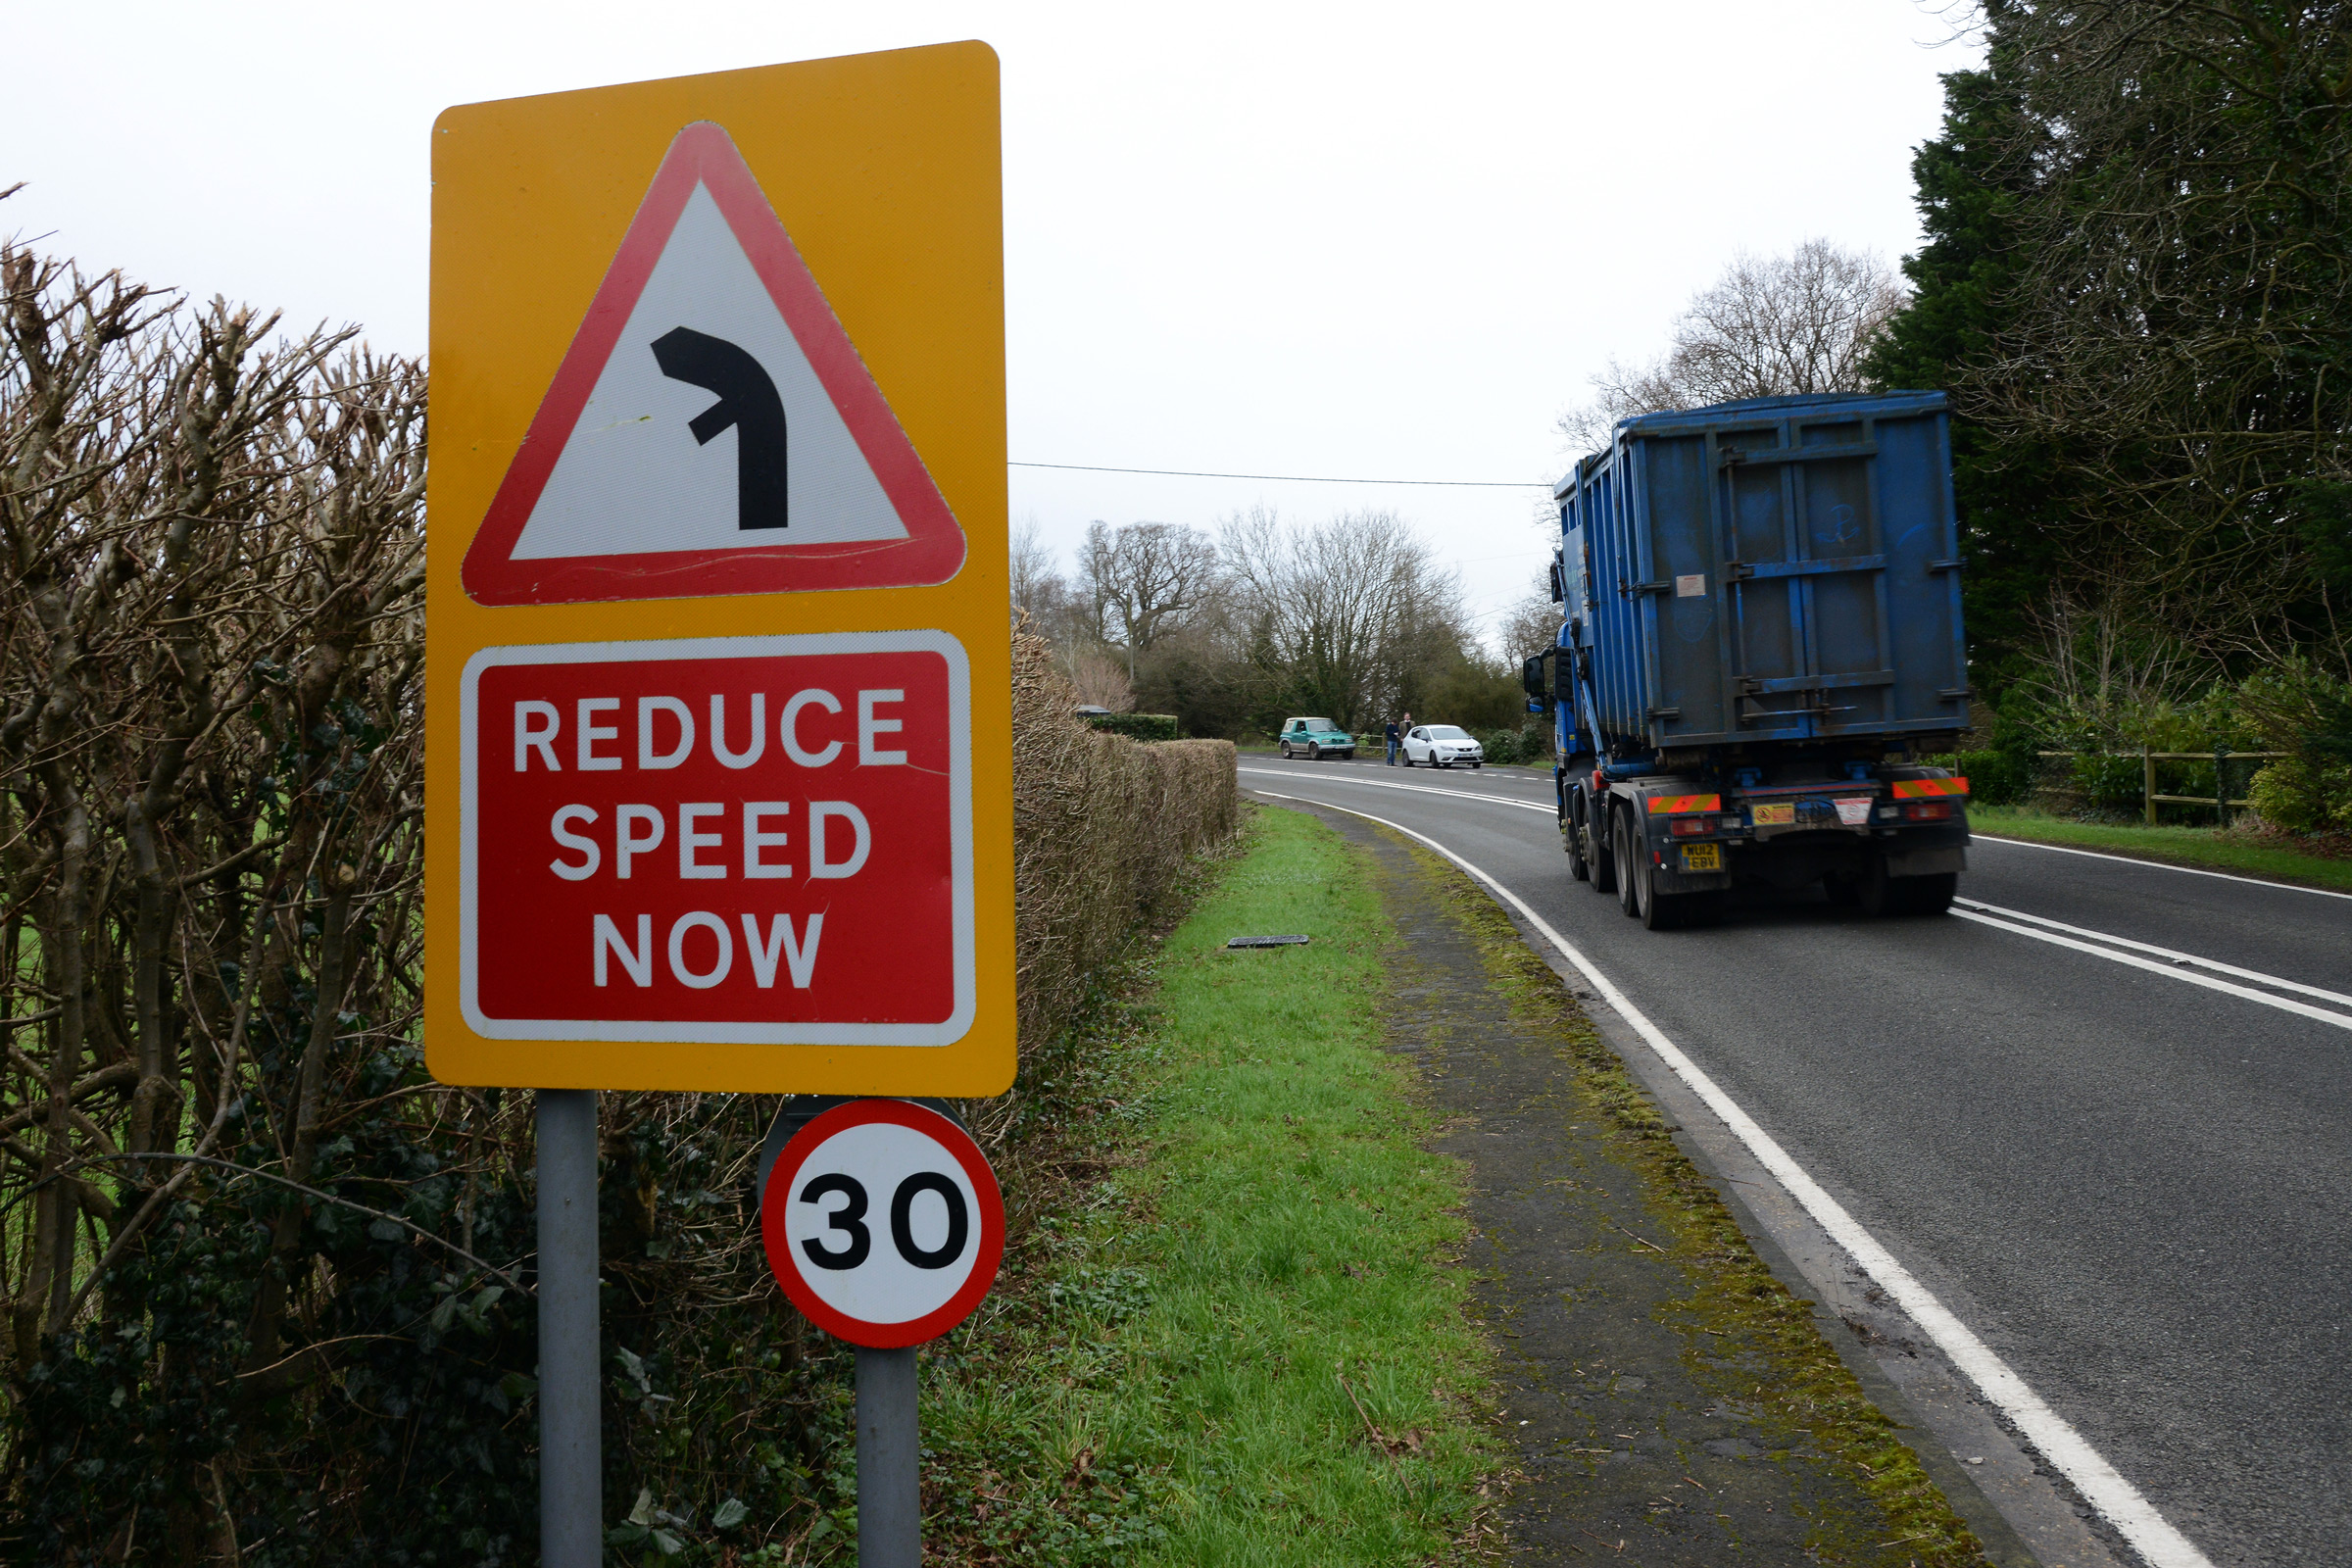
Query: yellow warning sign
x=718 y=790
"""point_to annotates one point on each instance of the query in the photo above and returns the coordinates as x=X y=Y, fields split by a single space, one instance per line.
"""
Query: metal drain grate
x=1266 y=942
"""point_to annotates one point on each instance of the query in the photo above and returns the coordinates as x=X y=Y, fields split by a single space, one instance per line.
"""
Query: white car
x=1441 y=746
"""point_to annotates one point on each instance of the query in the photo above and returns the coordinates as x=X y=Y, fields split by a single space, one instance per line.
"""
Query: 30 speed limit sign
x=883 y=1223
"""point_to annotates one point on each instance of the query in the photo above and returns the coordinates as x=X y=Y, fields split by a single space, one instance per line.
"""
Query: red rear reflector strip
x=1667 y=805
x=1913 y=789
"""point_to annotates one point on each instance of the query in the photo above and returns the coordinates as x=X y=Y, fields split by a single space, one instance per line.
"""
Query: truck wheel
x=1572 y=838
x=1875 y=892
x=1882 y=895
x=1597 y=847
x=1629 y=865
x=1658 y=912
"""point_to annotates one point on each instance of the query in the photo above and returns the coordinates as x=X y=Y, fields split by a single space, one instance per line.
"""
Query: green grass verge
x=2181 y=846
x=1233 y=1336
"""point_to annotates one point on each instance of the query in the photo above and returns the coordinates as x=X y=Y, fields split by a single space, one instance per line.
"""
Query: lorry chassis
x=1888 y=839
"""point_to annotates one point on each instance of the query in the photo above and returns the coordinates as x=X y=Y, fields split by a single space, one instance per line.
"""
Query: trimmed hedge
x=1135 y=726
x=272 y=1369
x=1102 y=826
x=1527 y=744
x=1996 y=778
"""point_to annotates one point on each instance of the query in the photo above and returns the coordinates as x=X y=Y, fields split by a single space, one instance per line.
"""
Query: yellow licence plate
x=1702 y=857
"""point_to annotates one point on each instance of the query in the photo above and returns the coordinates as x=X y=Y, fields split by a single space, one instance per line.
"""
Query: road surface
x=2104 y=1111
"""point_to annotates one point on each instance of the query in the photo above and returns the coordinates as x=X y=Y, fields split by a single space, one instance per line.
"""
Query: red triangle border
x=933 y=551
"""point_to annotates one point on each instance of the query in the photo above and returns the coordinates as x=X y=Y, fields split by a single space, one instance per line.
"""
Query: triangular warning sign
x=712 y=429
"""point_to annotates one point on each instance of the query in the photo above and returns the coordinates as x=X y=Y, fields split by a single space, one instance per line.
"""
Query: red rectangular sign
x=763 y=840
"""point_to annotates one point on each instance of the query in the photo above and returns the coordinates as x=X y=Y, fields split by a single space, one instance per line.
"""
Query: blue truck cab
x=1760 y=639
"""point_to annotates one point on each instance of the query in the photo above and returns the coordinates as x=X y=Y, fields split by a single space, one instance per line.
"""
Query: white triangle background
x=631 y=479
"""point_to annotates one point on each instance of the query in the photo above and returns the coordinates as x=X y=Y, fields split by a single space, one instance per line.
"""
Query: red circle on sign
x=987 y=1243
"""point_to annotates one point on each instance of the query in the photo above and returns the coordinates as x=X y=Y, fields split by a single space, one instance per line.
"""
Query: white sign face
x=712 y=429
x=645 y=472
x=883 y=1223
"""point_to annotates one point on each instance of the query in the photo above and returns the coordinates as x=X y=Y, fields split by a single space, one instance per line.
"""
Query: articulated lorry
x=1760 y=642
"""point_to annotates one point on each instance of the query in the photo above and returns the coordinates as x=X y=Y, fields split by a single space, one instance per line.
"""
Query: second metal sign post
x=884 y=1224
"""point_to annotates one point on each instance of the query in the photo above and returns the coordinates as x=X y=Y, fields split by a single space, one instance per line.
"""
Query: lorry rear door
x=1799 y=572
x=1844 y=618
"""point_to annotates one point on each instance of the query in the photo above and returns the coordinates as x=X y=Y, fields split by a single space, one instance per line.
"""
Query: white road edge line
x=2215 y=964
x=2102 y=1485
x=1546 y=808
x=1979 y=834
x=2188 y=976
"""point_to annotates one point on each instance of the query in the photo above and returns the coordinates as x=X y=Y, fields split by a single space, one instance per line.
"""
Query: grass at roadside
x=2181 y=846
x=1229 y=1334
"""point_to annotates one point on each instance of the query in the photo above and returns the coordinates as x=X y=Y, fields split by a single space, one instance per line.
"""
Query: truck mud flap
x=1926 y=861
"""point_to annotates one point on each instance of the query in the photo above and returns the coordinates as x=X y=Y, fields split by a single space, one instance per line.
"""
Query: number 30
x=850 y=1219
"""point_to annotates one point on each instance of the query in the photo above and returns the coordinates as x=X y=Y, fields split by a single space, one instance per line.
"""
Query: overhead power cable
x=1293 y=478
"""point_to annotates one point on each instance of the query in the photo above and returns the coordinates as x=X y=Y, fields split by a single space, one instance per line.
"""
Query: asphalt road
x=2134 y=1187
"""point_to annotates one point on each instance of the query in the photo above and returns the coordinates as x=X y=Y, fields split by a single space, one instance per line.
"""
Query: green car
x=1316 y=737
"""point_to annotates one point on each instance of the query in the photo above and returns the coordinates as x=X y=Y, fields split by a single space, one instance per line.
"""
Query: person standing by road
x=1394 y=734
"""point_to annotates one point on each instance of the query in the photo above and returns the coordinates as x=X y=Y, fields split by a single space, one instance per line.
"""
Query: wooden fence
x=2219 y=757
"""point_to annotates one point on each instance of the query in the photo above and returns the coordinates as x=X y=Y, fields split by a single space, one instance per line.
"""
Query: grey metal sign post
x=572 y=1460
x=890 y=1493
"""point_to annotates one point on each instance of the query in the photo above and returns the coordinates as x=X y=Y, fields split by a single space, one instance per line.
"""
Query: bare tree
x=1770 y=326
x=1352 y=607
x=1146 y=580
x=1620 y=391
x=1533 y=624
x=1098 y=676
x=1038 y=587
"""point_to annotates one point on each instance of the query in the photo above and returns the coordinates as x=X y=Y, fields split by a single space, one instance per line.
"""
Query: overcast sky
x=1360 y=240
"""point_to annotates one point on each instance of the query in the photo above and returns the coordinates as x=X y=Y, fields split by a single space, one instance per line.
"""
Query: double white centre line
x=2165 y=962
x=2150 y=1534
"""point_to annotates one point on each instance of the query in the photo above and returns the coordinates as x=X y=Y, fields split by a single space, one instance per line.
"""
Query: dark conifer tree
x=1972 y=182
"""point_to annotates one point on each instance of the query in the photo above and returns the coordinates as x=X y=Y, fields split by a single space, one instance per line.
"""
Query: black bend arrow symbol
x=748 y=401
